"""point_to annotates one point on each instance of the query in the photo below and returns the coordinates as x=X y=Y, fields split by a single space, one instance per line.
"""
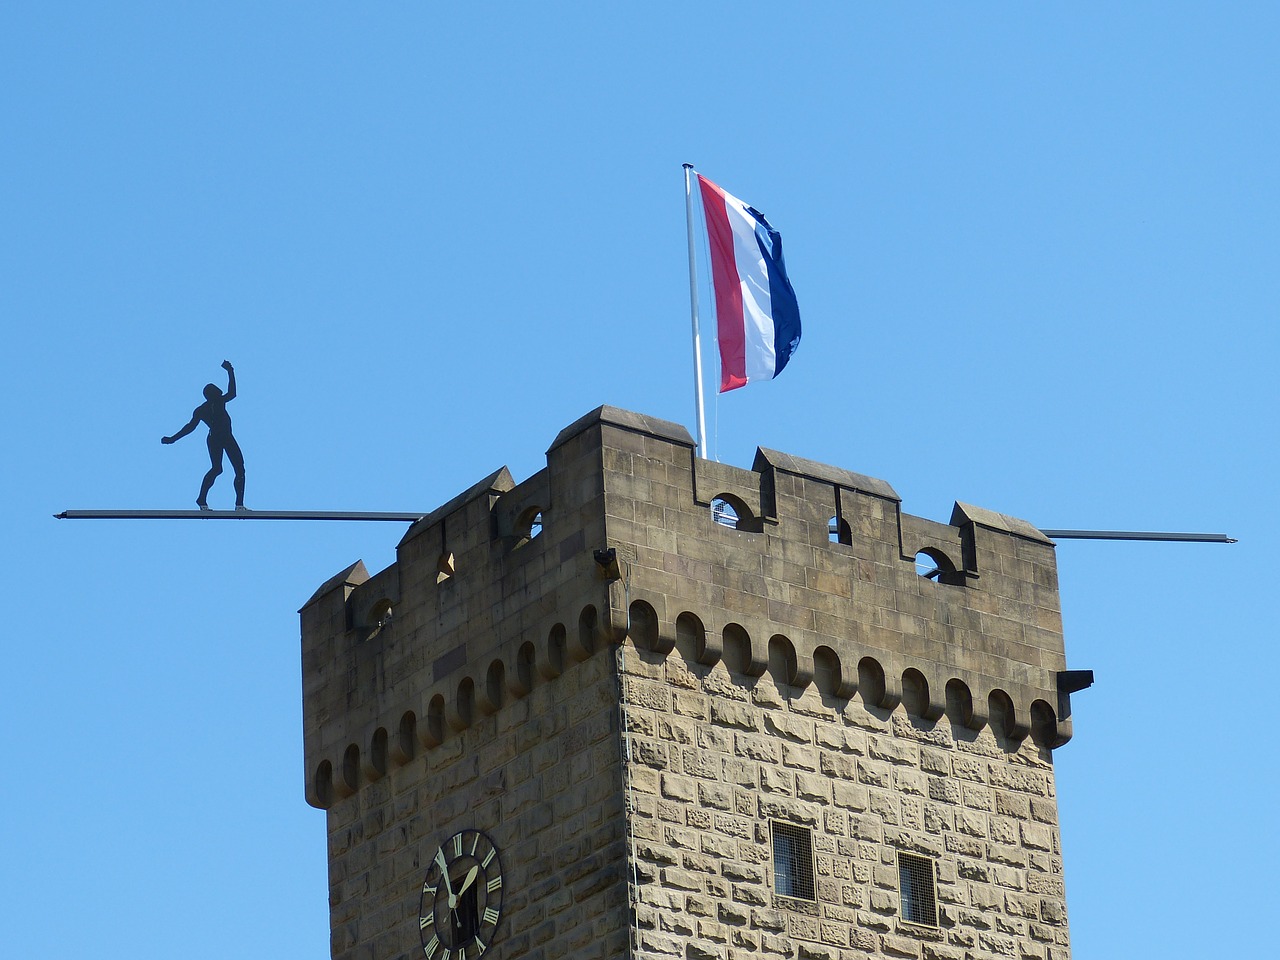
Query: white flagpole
x=693 y=309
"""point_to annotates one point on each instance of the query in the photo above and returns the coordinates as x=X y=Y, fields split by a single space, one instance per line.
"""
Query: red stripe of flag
x=730 y=327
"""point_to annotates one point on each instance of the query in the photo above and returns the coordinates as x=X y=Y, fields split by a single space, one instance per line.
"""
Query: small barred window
x=915 y=877
x=792 y=861
x=722 y=512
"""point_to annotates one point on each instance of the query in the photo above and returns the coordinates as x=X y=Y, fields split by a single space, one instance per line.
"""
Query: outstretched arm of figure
x=181 y=433
x=231 y=381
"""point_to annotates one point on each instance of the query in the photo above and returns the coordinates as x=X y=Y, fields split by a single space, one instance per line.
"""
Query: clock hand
x=471 y=877
x=444 y=871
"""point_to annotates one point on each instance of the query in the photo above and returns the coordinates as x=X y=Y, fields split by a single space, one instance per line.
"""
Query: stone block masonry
x=630 y=698
x=718 y=758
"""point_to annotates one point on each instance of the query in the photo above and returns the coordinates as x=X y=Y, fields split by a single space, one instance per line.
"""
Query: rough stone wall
x=718 y=755
x=542 y=778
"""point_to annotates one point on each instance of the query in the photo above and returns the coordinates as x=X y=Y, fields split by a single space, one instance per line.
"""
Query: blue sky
x=1035 y=249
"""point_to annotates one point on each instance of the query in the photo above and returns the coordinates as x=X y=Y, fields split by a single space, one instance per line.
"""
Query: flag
x=757 y=319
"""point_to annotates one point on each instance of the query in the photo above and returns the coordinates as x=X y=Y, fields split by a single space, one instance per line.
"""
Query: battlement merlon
x=501 y=586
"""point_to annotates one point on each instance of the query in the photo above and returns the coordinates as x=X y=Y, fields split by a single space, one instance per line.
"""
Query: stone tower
x=591 y=715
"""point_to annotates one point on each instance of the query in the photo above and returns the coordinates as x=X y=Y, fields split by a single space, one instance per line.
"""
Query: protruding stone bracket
x=404 y=745
x=616 y=618
x=961 y=708
x=740 y=654
x=878 y=688
x=695 y=642
x=1046 y=730
x=432 y=732
x=553 y=656
x=320 y=788
x=1004 y=717
x=1073 y=681
x=648 y=630
x=593 y=631
x=831 y=676
x=918 y=696
x=373 y=762
x=490 y=693
x=784 y=664
x=460 y=710
x=347 y=779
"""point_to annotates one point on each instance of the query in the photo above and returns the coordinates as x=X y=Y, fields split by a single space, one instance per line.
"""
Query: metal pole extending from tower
x=1137 y=535
x=693 y=308
x=234 y=515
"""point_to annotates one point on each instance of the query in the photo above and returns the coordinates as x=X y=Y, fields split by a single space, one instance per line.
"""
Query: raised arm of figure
x=231 y=381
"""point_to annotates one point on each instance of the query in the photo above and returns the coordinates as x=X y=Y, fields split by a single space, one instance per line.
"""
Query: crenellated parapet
x=808 y=571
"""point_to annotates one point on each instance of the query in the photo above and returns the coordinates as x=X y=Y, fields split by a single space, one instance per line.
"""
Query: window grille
x=915 y=877
x=793 y=861
x=722 y=512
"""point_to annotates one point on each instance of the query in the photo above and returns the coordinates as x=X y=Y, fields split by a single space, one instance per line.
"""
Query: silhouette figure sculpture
x=214 y=414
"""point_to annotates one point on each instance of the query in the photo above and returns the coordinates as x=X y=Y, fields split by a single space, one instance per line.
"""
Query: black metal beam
x=1137 y=535
x=234 y=515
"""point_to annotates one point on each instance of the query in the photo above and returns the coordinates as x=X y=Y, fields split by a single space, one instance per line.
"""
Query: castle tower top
x=790 y=648
x=821 y=556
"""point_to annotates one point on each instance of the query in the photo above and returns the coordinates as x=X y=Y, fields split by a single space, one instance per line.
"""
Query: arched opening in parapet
x=933 y=564
x=871 y=683
x=737 y=649
x=465 y=704
x=351 y=769
x=380 y=615
x=587 y=625
x=723 y=513
x=322 y=785
x=406 y=737
x=432 y=732
x=376 y=762
x=691 y=638
x=915 y=692
x=730 y=511
x=526 y=669
x=827 y=674
x=528 y=525
x=642 y=625
x=1044 y=725
x=838 y=530
x=495 y=686
x=782 y=661
x=1004 y=721
x=557 y=647
x=959 y=703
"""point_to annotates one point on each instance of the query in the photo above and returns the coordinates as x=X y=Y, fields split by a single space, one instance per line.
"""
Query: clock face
x=461 y=898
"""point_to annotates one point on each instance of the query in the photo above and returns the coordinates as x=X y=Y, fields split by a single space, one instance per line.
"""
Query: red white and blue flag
x=757 y=319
